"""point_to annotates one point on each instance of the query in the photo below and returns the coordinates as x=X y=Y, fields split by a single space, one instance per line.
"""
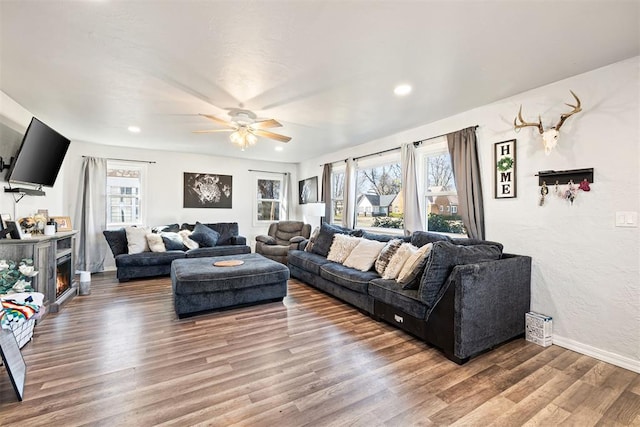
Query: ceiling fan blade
x=218 y=120
x=271 y=135
x=264 y=124
x=212 y=130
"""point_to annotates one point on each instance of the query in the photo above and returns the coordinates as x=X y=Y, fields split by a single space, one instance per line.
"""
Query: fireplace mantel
x=46 y=252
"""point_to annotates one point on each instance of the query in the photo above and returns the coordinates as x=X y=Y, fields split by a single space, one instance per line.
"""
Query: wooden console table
x=47 y=252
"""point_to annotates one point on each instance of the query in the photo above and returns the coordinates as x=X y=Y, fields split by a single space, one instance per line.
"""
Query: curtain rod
x=416 y=143
x=127 y=160
x=255 y=170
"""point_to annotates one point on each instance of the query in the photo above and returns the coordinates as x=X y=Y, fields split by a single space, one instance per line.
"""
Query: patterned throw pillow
x=341 y=247
x=398 y=260
x=312 y=239
x=411 y=273
x=386 y=254
x=190 y=244
x=364 y=255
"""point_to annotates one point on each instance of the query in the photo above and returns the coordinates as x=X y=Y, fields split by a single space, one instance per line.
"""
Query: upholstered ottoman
x=198 y=285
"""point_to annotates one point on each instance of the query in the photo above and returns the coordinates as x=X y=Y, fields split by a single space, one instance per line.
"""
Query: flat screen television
x=39 y=157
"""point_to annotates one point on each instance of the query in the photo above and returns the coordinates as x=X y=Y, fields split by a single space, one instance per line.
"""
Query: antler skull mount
x=549 y=136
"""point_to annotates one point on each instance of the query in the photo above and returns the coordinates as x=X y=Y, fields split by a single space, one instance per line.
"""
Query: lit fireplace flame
x=62 y=283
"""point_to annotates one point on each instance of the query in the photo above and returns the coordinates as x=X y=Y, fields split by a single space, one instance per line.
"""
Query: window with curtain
x=337 y=195
x=379 y=193
x=125 y=194
x=440 y=196
x=269 y=198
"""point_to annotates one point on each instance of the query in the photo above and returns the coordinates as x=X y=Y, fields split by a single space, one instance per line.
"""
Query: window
x=337 y=195
x=378 y=193
x=441 y=197
x=125 y=192
x=269 y=201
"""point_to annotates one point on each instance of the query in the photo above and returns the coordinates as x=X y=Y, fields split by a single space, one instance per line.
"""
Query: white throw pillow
x=398 y=260
x=341 y=247
x=155 y=242
x=137 y=239
x=414 y=265
x=364 y=255
x=190 y=244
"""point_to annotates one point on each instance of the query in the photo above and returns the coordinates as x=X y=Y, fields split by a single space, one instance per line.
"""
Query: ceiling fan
x=245 y=127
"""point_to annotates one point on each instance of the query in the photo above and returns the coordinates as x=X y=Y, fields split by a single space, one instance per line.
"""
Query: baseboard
x=605 y=356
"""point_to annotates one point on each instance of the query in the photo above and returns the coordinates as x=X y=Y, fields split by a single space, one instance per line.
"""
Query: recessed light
x=402 y=90
x=134 y=129
x=279 y=148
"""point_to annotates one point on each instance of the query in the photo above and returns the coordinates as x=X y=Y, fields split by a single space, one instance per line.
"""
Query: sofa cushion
x=169 y=228
x=205 y=237
x=444 y=256
x=386 y=254
x=364 y=255
x=398 y=260
x=117 y=241
x=325 y=237
x=172 y=241
x=384 y=237
x=137 y=240
x=146 y=259
x=421 y=238
x=411 y=272
x=307 y=261
x=218 y=251
x=355 y=280
x=391 y=293
x=341 y=247
x=155 y=243
x=227 y=231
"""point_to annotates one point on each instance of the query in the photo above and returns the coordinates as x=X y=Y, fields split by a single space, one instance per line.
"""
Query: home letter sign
x=504 y=158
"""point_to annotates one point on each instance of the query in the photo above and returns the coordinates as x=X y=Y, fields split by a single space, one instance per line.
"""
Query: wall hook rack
x=564 y=176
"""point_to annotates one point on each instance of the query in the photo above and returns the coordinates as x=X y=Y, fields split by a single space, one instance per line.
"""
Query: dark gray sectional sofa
x=149 y=264
x=470 y=298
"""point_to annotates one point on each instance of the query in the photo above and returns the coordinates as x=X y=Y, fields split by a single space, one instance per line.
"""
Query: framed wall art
x=504 y=164
x=308 y=190
x=207 y=190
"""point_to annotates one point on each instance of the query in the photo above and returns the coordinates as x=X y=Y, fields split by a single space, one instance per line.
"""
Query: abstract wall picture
x=504 y=163
x=308 y=190
x=207 y=190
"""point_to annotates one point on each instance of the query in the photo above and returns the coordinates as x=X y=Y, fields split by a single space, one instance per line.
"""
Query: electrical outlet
x=626 y=219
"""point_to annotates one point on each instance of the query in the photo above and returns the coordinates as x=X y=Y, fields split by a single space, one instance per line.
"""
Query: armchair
x=281 y=237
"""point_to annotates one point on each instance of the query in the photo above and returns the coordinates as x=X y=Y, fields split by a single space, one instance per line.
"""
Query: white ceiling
x=324 y=69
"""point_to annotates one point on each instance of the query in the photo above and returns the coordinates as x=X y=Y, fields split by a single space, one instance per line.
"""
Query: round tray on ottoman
x=199 y=285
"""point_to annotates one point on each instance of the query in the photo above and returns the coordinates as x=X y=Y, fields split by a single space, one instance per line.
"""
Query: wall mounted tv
x=39 y=157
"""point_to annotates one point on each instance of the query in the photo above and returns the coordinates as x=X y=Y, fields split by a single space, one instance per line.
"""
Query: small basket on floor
x=24 y=331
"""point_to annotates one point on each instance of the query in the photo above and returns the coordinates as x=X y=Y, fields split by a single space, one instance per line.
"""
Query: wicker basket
x=24 y=331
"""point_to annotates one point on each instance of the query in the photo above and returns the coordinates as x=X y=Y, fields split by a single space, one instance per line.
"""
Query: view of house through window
x=441 y=198
x=378 y=195
x=124 y=194
x=337 y=195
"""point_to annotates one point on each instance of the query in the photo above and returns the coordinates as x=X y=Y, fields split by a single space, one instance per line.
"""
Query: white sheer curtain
x=91 y=215
x=413 y=220
x=349 y=214
x=286 y=196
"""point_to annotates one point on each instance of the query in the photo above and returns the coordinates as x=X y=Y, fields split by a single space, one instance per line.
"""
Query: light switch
x=626 y=219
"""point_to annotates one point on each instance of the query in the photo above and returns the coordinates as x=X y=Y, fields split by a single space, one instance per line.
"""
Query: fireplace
x=63 y=275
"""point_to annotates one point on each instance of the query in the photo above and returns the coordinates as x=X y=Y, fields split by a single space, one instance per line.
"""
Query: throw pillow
x=398 y=260
x=410 y=274
x=324 y=240
x=386 y=254
x=204 y=236
x=364 y=255
x=312 y=239
x=190 y=244
x=172 y=241
x=155 y=242
x=173 y=228
x=137 y=240
x=117 y=240
x=341 y=247
x=444 y=256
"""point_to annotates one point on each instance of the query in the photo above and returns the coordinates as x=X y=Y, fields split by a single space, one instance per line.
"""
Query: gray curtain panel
x=413 y=220
x=326 y=191
x=91 y=215
x=349 y=214
x=466 y=173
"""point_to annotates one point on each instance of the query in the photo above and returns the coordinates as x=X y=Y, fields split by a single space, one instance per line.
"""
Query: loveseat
x=466 y=298
x=224 y=240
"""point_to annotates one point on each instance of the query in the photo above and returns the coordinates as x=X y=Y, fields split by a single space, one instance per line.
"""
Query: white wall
x=586 y=271
x=14 y=120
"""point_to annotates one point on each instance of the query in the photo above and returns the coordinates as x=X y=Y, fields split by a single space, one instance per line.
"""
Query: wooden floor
x=120 y=357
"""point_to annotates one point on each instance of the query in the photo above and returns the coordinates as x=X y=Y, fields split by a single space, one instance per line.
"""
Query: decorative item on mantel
x=567 y=178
